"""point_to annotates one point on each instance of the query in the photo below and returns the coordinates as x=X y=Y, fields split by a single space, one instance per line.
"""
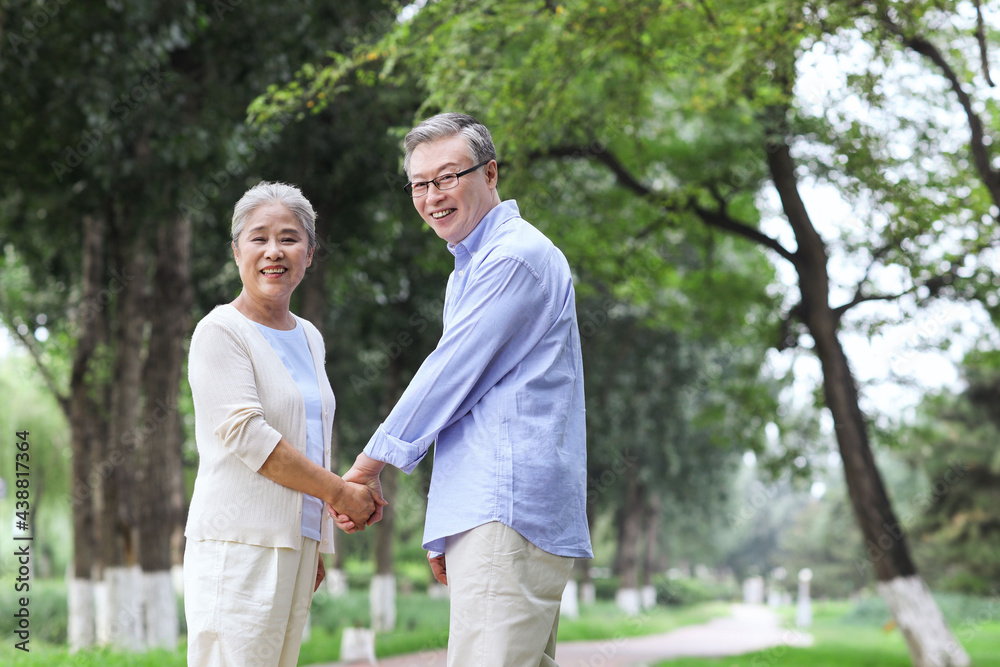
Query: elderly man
x=502 y=396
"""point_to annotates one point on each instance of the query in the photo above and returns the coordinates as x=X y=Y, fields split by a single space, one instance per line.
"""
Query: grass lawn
x=422 y=624
x=856 y=635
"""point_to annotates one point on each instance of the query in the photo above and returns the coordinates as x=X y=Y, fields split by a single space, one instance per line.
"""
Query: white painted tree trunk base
x=336 y=583
x=102 y=618
x=177 y=575
x=436 y=591
x=570 y=606
x=588 y=593
x=120 y=618
x=382 y=598
x=160 y=612
x=753 y=590
x=918 y=617
x=629 y=601
x=648 y=594
x=82 y=628
x=357 y=644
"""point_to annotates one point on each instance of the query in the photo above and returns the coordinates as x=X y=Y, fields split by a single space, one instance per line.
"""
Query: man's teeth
x=268 y=272
x=441 y=214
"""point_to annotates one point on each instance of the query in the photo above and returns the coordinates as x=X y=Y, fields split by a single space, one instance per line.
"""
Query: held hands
x=364 y=474
x=356 y=506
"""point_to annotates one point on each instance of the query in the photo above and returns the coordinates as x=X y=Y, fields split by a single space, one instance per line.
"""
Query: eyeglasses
x=442 y=182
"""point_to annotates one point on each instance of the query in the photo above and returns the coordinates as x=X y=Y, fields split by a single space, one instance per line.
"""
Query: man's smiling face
x=453 y=213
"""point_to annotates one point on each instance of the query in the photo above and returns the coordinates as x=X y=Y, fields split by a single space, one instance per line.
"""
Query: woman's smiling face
x=272 y=253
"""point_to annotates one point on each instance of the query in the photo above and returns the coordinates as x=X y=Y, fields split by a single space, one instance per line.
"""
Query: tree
x=126 y=133
x=691 y=112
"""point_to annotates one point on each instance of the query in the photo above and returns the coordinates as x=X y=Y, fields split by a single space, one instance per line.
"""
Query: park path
x=749 y=628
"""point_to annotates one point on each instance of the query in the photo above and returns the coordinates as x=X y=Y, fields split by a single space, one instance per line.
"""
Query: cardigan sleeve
x=224 y=388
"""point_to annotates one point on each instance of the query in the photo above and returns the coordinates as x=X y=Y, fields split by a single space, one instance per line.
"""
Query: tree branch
x=721 y=220
x=859 y=290
x=934 y=285
x=981 y=38
x=708 y=12
x=31 y=344
x=862 y=298
x=980 y=150
x=717 y=219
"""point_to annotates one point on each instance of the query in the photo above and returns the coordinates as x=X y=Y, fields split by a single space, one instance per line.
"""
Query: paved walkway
x=748 y=629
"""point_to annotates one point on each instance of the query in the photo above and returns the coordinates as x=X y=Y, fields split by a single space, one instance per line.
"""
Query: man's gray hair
x=267 y=192
x=445 y=126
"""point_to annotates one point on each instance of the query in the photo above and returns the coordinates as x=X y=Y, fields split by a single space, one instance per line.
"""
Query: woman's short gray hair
x=267 y=192
x=447 y=125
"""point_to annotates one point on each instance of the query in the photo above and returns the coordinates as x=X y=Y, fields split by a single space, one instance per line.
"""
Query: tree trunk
x=159 y=494
x=651 y=556
x=930 y=641
x=87 y=431
x=120 y=621
x=382 y=595
x=630 y=526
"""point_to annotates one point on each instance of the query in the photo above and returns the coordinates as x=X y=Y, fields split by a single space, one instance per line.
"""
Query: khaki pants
x=246 y=606
x=505 y=597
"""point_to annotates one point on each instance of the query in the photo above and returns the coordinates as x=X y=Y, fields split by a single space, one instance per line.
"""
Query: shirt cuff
x=404 y=455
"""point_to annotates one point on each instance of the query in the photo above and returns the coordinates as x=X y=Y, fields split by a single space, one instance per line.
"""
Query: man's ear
x=492 y=173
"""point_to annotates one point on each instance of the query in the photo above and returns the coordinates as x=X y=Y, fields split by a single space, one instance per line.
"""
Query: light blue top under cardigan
x=293 y=350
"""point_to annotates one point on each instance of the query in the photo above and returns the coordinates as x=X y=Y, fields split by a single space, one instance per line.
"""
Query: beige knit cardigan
x=244 y=402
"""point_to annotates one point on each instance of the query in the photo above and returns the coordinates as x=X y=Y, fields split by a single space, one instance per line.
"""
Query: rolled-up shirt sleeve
x=230 y=397
x=500 y=317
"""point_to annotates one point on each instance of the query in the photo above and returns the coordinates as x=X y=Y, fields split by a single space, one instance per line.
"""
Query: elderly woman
x=263 y=418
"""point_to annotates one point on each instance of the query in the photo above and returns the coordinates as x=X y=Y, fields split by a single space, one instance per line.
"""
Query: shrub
x=685 y=591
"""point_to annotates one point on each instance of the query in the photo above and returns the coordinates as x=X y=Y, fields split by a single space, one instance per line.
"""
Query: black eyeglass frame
x=410 y=186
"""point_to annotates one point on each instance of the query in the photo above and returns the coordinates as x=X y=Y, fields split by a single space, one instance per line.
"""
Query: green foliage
x=29 y=406
x=951 y=449
x=47 y=608
x=686 y=592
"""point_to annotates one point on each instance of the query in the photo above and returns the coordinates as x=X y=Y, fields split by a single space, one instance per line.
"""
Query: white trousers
x=246 y=606
x=505 y=596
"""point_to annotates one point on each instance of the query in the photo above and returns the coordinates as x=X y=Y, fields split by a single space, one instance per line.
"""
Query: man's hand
x=438 y=568
x=320 y=573
x=365 y=471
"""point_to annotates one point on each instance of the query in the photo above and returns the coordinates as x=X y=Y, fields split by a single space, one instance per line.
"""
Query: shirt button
x=461 y=273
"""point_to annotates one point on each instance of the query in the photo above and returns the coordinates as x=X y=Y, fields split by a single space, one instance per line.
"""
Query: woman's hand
x=365 y=471
x=320 y=573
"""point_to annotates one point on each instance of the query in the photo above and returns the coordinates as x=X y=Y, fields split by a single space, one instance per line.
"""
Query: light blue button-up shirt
x=502 y=394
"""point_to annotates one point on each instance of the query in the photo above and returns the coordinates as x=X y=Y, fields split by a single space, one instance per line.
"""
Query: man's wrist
x=369 y=466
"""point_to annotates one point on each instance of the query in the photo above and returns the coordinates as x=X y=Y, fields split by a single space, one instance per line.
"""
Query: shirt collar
x=498 y=215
